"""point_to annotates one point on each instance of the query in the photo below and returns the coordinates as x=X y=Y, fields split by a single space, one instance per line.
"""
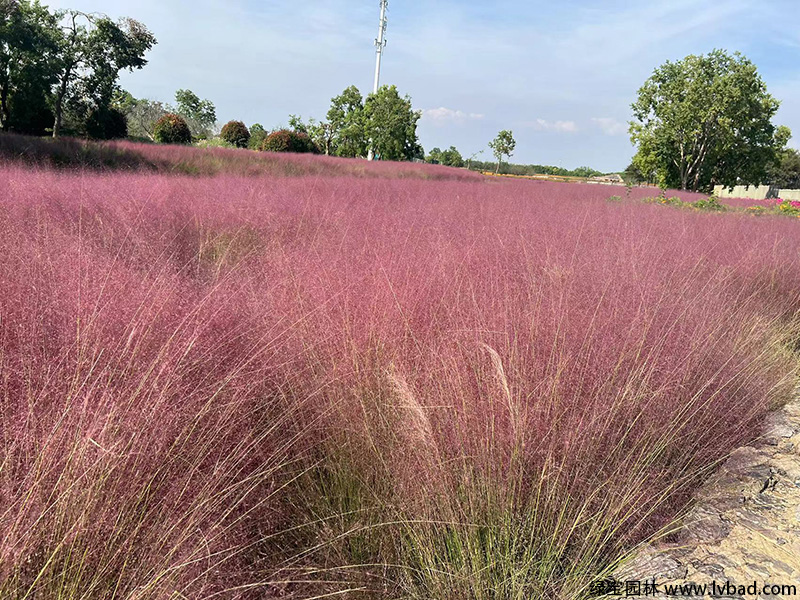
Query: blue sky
x=561 y=75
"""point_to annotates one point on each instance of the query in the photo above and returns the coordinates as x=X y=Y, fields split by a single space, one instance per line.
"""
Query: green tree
x=347 y=125
x=257 y=136
x=200 y=115
x=142 y=116
x=321 y=133
x=28 y=48
x=503 y=145
x=632 y=175
x=435 y=156
x=786 y=173
x=92 y=50
x=391 y=125
x=704 y=121
x=296 y=124
x=450 y=157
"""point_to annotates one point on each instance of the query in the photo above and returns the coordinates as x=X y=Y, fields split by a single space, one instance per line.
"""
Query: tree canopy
x=450 y=157
x=63 y=66
x=391 y=125
x=706 y=120
x=200 y=115
x=386 y=121
x=503 y=145
x=28 y=55
x=347 y=124
x=785 y=173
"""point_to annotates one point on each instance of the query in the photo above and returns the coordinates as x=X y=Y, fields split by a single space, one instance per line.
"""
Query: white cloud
x=560 y=126
x=610 y=126
x=448 y=115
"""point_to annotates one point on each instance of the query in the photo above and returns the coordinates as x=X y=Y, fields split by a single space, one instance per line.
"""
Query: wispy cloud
x=560 y=126
x=610 y=126
x=443 y=115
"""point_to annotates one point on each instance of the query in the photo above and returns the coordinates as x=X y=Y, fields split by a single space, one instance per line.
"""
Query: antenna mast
x=380 y=44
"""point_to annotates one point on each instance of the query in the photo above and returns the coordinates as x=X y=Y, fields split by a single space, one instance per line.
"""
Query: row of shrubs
x=777 y=206
x=173 y=129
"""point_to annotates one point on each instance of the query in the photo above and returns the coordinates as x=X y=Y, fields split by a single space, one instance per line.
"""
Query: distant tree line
x=512 y=169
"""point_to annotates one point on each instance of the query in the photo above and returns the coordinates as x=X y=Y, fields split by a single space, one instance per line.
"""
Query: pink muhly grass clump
x=472 y=385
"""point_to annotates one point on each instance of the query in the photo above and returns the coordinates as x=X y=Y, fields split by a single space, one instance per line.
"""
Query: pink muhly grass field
x=249 y=387
x=68 y=153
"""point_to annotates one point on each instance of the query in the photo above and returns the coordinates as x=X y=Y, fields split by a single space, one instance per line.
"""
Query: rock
x=650 y=563
x=748 y=462
x=703 y=525
x=776 y=428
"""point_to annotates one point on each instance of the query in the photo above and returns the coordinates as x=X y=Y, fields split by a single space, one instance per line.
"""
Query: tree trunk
x=4 y=112
x=58 y=109
x=59 y=104
x=497 y=170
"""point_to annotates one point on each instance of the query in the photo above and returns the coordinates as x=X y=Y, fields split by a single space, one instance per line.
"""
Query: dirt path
x=745 y=527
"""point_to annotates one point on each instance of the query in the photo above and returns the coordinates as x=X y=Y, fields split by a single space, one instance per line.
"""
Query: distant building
x=614 y=178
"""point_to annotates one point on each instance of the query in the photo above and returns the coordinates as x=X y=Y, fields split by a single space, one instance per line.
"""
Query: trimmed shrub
x=107 y=124
x=236 y=134
x=172 y=129
x=285 y=140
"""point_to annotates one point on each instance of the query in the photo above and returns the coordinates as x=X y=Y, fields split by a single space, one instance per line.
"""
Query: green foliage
x=286 y=140
x=257 y=136
x=28 y=63
x=785 y=173
x=214 y=142
x=756 y=211
x=503 y=145
x=200 y=115
x=789 y=209
x=106 y=124
x=347 y=124
x=385 y=120
x=236 y=134
x=172 y=129
x=321 y=133
x=190 y=106
x=529 y=170
x=142 y=116
x=711 y=204
x=296 y=124
x=391 y=125
x=450 y=157
x=633 y=175
x=91 y=52
x=706 y=120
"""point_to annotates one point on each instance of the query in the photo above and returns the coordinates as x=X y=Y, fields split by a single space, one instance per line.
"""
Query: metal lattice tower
x=380 y=45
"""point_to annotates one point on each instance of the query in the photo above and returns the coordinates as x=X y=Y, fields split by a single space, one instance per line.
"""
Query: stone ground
x=745 y=525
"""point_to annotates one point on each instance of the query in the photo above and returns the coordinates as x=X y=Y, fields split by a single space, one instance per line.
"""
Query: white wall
x=753 y=192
